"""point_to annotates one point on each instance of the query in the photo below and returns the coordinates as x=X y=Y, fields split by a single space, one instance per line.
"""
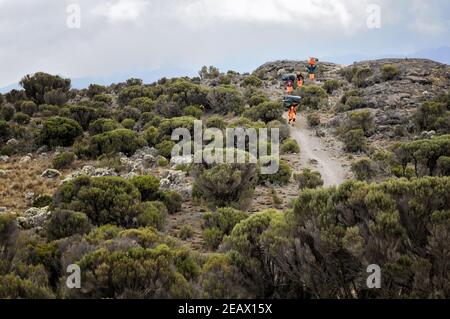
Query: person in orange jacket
x=290 y=87
x=292 y=114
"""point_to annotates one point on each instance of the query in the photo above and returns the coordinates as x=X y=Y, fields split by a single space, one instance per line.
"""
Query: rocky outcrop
x=51 y=173
x=176 y=181
x=34 y=218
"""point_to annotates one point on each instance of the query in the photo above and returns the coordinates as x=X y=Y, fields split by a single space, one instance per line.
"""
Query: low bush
x=148 y=187
x=355 y=141
x=59 y=131
x=331 y=85
x=128 y=123
x=103 y=125
x=313 y=119
x=153 y=214
x=120 y=140
x=172 y=200
x=21 y=118
x=290 y=146
x=309 y=179
x=65 y=223
x=363 y=169
x=63 y=160
x=389 y=72
x=281 y=177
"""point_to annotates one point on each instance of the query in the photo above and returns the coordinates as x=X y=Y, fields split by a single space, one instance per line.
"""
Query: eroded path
x=316 y=153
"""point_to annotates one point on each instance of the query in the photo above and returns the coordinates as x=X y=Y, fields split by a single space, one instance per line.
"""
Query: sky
x=108 y=41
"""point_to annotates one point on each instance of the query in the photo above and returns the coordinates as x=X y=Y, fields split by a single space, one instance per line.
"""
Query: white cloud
x=120 y=11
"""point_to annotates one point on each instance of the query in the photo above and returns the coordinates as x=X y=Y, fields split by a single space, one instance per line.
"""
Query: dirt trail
x=317 y=155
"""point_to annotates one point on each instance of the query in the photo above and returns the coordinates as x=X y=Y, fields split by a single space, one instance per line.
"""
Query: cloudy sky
x=122 y=38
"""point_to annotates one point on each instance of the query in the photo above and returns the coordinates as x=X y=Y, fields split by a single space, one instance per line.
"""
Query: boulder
x=4 y=159
x=34 y=217
x=51 y=173
x=176 y=181
x=25 y=159
x=12 y=142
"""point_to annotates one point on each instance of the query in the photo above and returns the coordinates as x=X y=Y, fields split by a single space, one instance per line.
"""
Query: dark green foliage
x=355 y=141
x=433 y=116
x=389 y=72
x=103 y=98
x=290 y=146
x=423 y=154
x=225 y=99
x=331 y=85
x=216 y=121
x=172 y=200
x=135 y=91
x=443 y=165
x=66 y=223
x=148 y=187
x=186 y=232
x=184 y=93
x=361 y=76
x=281 y=177
x=103 y=125
x=313 y=119
x=252 y=80
x=120 y=140
x=226 y=184
x=209 y=73
x=105 y=200
x=84 y=115
x=38 y=84
x=313 y=97
x=257 y=98
x=14 y=287
x=21 y=118
x=194 y=111
x=364 y=169
x=361 y=120
x=7 y=112
x=220 y=223
x=59 y=131
x=282 y=126
x=144 y=104
x=46 y=110
x=95 y=89
x=165 y=148
x=63 y=160
x=153 y=214
x=128 y=123
x=28 y=107
x=309 y=179
x=267 y=111
x=43 y=201
x=151 y=135
x=56 y=97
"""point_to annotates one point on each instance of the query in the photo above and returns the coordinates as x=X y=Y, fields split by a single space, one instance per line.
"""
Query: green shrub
x=95 y=89
x=38 y=84
x=281 y=177
x=282 y=126
x=144 y=104
x=268 y=111
x=331 y=85
x=225 y=99
x=103 y=98
x=389 y=72
x=349 y=72
x=186 y=232
x=162 y=162
x=313 y=97
x=148 y=187
x=313 y=119
x=216 y=121
x=364 y=169
x=224 y=80
x=290 y=146
x=208 y=73
x=252 y=80
x=220 y=223
x=361 y=120
x=65 y=223
x=103 y=125
x=105 y=200
x=443 y=165
x=128 y=123
x=84 y=115
x=257 y=98
x=21 y=118
x=432 y=116
x=309 y=179
x=172 y=200
x=28 y=107
x=361 y=76
x=150 y=119
x=43 y=201
x=153 y=214
x=165 y=148
x=47 y=110
x=151 y=135
x=194 y=111
x=225 y=184
x=120 y=140
x=63 y=160
x=7 y=112
x=355 y=141
x=132 y=92
x=56 y=97
x=59 y=131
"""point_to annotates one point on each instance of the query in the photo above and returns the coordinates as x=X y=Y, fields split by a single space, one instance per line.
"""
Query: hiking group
x=295 y=81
